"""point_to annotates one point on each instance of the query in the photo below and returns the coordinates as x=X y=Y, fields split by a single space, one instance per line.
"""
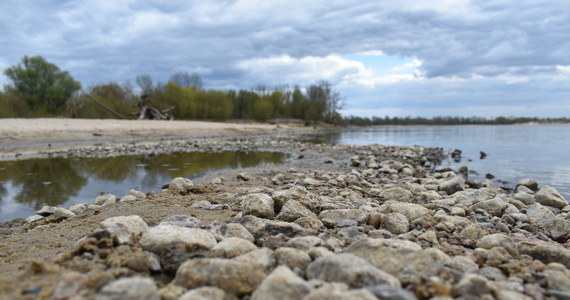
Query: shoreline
x=382 y=218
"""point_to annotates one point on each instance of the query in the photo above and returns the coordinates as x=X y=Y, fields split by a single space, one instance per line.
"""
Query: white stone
x=127 y=228
x=159 y=237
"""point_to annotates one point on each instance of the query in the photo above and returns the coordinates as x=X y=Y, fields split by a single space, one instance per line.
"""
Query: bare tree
x=185 y=79
x=144 y=81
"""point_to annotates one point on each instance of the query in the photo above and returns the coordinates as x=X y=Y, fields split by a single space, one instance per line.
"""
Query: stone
x=395 y=223
x=298 y=193
x=128 y=229
x=230 y=275
x=525 y=198
x=412 y=211
x=453 y=185
x=128 y=199
x=462 y=263
x=69 y=285
x=263 y=257
x=538 y=212
x=349 y=269
x=105 y=199
x=180 y=185
x=46 y=211
x=528 y=183
x=217 y=181
x=545 y=252
x=34 y=218
x=244 y=177
x=295 y=259
x=494 y=207
x=129 y=288
x=339 y=291
x=557 y=280
x=335 y=214
x=510 y=295
x=328 y=160
x=259 y=205
x=386 y=292
x=397 y=194
x=78 y=208
x=498 y=240
x=429 y=236
x=207 y=293
x=237 y=230
x=473 y=285
x=293 y=210
x=282 y=283
x=549 y=196
x=305 y=242
x=138 y=194
x=182 y=221
x=156 y=239
x=234 y=246
x=62 y=212
x=312 y=225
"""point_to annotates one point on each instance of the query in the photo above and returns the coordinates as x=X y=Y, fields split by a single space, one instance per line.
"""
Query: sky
x=398 y=58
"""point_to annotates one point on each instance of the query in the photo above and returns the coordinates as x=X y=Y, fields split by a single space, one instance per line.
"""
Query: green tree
x=42 y=85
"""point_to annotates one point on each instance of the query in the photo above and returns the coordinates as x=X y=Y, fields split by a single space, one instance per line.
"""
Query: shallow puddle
x=26 y=185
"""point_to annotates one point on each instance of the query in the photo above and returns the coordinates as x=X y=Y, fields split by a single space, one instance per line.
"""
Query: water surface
x=26 y=185
x=513 y=152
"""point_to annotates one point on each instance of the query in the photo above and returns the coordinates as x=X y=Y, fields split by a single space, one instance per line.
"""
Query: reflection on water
x=25 y=185
x=513 y=152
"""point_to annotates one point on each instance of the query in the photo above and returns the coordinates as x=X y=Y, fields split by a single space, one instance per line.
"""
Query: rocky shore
x=335 y=222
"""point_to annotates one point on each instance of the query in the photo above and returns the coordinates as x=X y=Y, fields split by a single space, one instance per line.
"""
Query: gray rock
x=492 y=273
x=386 y=292
x=557 y=280
x=244 y=177
x=297 y=260
x=305 y=242
x=105 y=199
x=34 y=218
x=162 y=236
x=397 y=194
x=78 y=208
x=231 y=275
x=259 y=205
x=537 y=212
x=298 y=193
x=395 y=223
x=412 y=211
x=312 y=225
x=473 y=285
x=494 y=207
x=453 y=185
x=462 y=263
x=525 y=198
x=69 y=285
x=182 y=221
x=128 y=229
x=62 y=212
x=349 y=214
x=282 y=283
x=263 y=257
x=207 y=293
x=46 y=211
x=128 y=199
x=237 y=230
x=510 y=295
x=498 y=240
x=180 y=185
x=138 y=194
x=350 y=269
x=528 y=183
x=234 y=246
x=293 y=210
x=550 y=197
x=130 y=288
x=339 y=291
x=545 y=252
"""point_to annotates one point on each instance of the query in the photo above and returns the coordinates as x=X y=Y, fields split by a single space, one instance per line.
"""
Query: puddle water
x=26 y=185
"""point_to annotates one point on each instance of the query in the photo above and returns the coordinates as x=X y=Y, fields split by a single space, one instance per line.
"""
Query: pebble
x=259 y=205
x=105 y=199
x=549 y=196
x=180 y=185
x=130 y=288
x=207 y=293
x=157 y=238
x=128 y=229
x=282 y=283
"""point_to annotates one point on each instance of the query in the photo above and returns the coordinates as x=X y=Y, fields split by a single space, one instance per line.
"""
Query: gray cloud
x=100 y=41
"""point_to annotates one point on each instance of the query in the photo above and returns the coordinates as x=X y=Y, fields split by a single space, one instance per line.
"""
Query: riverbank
x=361 y=222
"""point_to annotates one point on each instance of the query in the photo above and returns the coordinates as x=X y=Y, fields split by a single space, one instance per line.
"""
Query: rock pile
x=392 y=227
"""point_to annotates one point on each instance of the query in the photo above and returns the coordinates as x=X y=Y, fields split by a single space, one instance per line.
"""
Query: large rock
x=282 y=283
x=525 y=198
x=453 y=185
x=237 y=230
x=549 y=196
x=130 y=288
x=498 y=240
x=397 y=194
x=293 y=210
x=234 y=246
x=180 y=185
x=395 y=223
x=538 y=212
x=105 y=199
x=259 y=205
x=494 y=206
x=127 y=228
x=529 y=183
x=350 y=269
x=160 y=237
x=412 y=211
x=233 y=276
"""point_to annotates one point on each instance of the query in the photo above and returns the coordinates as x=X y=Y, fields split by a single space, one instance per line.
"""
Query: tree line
x=41 y=89
x=377 y=121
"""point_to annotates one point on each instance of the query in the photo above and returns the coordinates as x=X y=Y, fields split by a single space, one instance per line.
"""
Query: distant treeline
x=376 y=121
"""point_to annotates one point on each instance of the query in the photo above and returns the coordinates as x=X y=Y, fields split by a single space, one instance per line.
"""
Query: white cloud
x=371 y=53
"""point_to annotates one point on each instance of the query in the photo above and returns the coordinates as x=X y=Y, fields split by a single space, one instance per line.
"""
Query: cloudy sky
x=402 y=57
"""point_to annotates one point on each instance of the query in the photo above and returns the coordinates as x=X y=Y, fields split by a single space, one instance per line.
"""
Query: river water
x=27 y=184
x=513 y=152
